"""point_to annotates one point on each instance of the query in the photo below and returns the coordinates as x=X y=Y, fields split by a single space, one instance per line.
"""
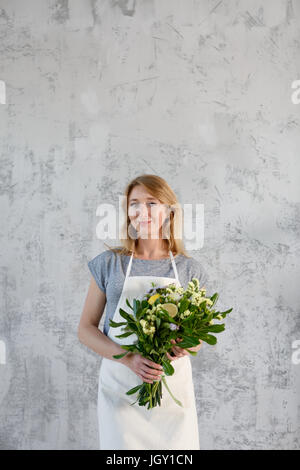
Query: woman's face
x=146 y=213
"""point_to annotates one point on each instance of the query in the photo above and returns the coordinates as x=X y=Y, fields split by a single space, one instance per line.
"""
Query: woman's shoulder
x=103 y=258
x=189 y=260
x=194 y=267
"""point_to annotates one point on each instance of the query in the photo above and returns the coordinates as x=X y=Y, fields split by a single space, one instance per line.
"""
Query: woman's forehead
x=140 y=193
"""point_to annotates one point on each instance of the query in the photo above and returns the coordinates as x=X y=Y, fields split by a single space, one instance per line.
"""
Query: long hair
x=159 y=189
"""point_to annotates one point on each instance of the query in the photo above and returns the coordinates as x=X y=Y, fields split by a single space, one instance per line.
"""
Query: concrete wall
x=94 y=93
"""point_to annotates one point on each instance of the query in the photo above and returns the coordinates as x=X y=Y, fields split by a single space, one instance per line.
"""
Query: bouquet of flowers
x=165 y=314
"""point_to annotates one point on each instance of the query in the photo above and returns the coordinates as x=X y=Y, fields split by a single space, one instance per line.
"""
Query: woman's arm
x=88 y=332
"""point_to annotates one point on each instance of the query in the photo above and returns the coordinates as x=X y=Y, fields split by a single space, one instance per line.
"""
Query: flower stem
x=175 y=399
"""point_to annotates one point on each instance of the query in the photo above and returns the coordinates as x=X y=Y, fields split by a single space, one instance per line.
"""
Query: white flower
x=173 y=326
x=185 y=314
x=196 y=299
x=148 y=329
x=193 y=285
x=174 y=296
x=180 y=290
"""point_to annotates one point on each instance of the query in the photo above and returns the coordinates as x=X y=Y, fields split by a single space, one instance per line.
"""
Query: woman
x=150 y=253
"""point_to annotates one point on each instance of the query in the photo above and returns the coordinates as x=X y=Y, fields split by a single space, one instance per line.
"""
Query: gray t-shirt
x=109 y=270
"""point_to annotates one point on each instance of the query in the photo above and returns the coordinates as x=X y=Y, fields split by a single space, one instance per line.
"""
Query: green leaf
x=126 y=315
x=188 y=318
x=226 y=312
x=183 y=305
x=210 y=339
x=191 y=339
x=168 y=368
x=124 y=335
x=133 y=326
x=127 y=302
x=130 y=347
x=118 y=356
x=154 y=352
x=166 y=315
x=193 y=353
x=188 y=342
x=134 y=390
x=216 y=328
x=136 y=306
x=115 y=324
x=214 y=299
x=185 y=344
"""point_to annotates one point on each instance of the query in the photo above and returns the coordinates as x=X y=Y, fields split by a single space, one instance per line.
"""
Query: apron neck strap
x=172 y=260
x=174 y=266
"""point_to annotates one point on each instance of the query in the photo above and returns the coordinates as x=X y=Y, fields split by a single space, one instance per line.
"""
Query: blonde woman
x=147 y=255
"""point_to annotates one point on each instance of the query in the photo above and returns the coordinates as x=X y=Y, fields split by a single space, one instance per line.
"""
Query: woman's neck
x=152 y=249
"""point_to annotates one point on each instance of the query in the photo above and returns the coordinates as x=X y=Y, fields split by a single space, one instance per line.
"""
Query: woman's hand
x=144 y=368
x=180 y=352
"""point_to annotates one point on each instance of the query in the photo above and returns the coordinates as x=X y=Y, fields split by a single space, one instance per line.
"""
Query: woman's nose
x=144 y=211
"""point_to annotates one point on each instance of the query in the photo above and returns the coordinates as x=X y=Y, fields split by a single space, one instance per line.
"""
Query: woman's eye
x=136 y=203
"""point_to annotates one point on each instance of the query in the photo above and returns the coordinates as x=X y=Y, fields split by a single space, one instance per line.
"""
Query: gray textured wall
x=198 y=92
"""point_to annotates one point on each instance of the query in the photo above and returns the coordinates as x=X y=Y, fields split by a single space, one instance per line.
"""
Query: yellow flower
x=153 y=298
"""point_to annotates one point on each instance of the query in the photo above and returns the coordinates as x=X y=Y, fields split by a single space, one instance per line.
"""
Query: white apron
x=124 y=426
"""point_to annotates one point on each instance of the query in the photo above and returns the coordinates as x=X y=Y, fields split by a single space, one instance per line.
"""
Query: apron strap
x=129 y=267
x=172 y=260
x=174 y=266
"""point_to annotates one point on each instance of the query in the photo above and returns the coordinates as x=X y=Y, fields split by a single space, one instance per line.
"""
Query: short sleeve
x=199 y=272
x=98 y=268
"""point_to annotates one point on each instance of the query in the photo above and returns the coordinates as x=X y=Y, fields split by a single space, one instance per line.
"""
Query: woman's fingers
x=144 y=379
x=175 y=348
x=184 y=352
x=151 y=364
x=179 y=352
x=150 y=373
x=171 y=358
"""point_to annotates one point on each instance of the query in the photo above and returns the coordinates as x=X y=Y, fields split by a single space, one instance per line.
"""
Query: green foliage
x=188 y=329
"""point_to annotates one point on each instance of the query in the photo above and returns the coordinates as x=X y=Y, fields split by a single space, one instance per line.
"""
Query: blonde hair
x=159 y=189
